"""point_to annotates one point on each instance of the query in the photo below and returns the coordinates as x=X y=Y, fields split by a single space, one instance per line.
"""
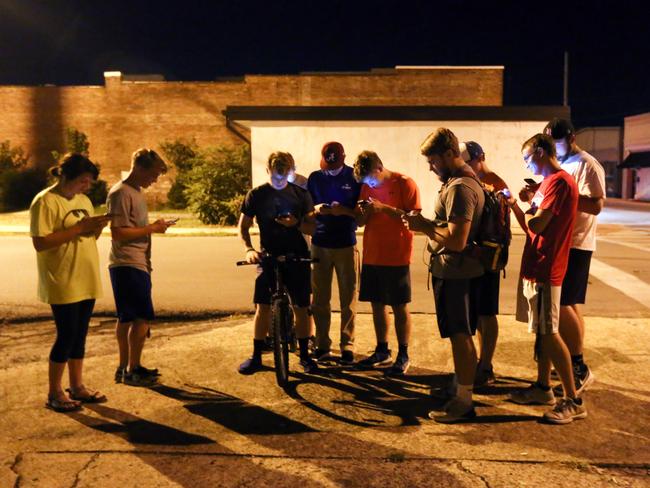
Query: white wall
x=396 y=143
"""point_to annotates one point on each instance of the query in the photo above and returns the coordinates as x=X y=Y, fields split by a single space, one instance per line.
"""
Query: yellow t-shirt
x=68 y=273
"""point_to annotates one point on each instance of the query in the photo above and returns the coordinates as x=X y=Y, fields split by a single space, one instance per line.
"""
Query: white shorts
x=539 y=305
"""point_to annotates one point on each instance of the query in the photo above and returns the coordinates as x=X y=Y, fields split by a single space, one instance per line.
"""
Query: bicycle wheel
x=280 y=324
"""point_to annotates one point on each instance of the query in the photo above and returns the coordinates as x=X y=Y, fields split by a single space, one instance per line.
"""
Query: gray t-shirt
x=130 y=208
x=459 y=198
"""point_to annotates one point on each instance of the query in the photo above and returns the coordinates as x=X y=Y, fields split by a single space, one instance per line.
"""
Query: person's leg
x=78 y=351
x=321 y=281
x=345 y=264
x=488 y=333
x=262 y=321
x=136 y=338
x=122 y=336
x=65 y=321
x=465 y=360
x=554 y=348
x=402 y=325
x=571 y=329
x=380 y=321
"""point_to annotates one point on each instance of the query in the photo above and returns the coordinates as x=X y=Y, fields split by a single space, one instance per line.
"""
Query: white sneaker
x=565 y=412
x=533 y=395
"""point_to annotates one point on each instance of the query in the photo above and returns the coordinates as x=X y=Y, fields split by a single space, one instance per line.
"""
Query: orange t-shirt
x=493 y=181
x=386 y=242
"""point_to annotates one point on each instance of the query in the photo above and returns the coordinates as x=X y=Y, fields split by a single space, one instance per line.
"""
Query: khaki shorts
x=539 y=305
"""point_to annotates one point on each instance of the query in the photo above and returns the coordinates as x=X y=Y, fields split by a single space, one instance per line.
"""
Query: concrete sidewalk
x=205 y=425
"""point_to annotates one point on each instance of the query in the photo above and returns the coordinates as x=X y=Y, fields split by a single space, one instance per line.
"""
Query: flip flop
x=94 y=397
x=62 y=406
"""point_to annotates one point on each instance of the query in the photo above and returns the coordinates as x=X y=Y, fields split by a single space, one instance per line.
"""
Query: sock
x=577 y=362
x=543 y=387
x=382 y=347
x=577 y=400
x=258 y=345
x=304 y=348
x=464 y=392
x=403 y=350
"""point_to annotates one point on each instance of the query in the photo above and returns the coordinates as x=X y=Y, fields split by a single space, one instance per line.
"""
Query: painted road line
x=626 y=244
x=626 y=283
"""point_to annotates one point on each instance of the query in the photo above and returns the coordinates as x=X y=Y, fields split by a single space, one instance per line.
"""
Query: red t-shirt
x=386 y=242
x=546 y=255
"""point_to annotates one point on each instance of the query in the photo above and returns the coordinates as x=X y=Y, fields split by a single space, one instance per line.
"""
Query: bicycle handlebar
x=281 y=259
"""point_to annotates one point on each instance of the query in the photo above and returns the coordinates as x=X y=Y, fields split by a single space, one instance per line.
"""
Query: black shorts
x=574 y=285
x=488 y=301
x=390 y=285
x=132 y=293
x=456 y=305
x=297 y=280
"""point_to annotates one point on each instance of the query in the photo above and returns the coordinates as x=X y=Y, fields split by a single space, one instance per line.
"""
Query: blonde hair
x=439 y=142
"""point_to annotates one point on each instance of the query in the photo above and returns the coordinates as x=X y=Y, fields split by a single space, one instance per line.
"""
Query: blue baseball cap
x=470 y=150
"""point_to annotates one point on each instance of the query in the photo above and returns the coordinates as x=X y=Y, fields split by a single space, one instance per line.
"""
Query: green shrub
x=77 y=142
x=212 y=181
x=18 y=183
x=184 y=155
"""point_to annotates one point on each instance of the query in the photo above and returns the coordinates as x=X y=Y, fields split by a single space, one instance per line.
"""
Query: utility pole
x=566 y=79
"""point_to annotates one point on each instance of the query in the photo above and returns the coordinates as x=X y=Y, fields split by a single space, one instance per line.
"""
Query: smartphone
x=171 y=221
x=363 y=202
x=326 y=205
x=530 y=181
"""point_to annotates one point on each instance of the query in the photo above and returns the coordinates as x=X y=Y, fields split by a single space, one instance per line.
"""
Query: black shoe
x=119 y=374
x=347 y=358
x=323 y=355
x=250 y=366
x=138 y=378
x=309 y=365
x=146 y=371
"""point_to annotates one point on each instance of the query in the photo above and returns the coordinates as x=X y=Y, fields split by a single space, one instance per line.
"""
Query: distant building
x=606 y=145
x=636 y=162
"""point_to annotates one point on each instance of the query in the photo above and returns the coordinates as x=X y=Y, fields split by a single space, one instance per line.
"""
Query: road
x=197 y=274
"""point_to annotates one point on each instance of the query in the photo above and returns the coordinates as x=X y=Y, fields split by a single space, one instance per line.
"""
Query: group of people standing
x=559 y=225
x=329 y=206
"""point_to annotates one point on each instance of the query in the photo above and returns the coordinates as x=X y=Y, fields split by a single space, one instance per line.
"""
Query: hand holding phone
x=171 y=221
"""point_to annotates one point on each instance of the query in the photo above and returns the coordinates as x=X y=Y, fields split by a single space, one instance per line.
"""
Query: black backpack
x=493 y=238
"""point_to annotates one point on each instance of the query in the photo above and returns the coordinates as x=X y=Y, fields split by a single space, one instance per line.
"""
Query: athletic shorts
x=456 y=305
x=132 y=294
x=389 y=285
x=488 y=302
x=543 y=301
x=574 y=286
x=297 y=280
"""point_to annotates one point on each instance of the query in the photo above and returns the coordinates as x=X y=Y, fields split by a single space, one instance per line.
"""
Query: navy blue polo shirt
x=334 y=231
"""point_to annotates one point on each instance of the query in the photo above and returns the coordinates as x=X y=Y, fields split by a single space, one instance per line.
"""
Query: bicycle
x=282 y=320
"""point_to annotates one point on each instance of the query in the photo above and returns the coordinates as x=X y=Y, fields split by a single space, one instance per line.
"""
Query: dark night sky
x=73 y=42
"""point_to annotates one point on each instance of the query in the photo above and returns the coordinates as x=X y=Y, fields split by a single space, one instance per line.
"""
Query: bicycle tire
x=280 y=323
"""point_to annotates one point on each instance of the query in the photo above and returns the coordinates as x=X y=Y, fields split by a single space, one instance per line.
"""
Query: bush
x=18 y=184
x=184 y=155
x=77 y=142
x=212 y=182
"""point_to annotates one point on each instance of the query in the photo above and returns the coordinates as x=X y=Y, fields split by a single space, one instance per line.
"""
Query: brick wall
x=123 y=115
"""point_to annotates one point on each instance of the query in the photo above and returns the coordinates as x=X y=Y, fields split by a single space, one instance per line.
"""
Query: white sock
x=464 y=392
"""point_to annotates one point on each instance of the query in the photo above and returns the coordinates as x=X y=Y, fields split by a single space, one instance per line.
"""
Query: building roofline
x=393 y=113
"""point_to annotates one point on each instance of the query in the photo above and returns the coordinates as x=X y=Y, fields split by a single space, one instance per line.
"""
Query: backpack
x=493 y=238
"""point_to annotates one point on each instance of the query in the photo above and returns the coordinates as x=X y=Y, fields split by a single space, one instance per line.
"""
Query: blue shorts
x=132 y=293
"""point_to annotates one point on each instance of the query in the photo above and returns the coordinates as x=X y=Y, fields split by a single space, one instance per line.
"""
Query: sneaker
x=250 y=366
x=533 y=395
x=309 y=365
x=399 y=367
x=136 y=378
x=456 y=411
x=484 y=377
x=146 y=371
x=347 y=358
x=323 y=355
x=119 y=374
x=565 y=412
x=583 y=378
x=376 y=360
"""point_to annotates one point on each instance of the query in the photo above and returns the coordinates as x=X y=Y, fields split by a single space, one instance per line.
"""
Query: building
x=606 y=145
x=636 y=162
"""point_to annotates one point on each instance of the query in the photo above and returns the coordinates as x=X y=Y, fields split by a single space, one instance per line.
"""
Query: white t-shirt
x=590 y=178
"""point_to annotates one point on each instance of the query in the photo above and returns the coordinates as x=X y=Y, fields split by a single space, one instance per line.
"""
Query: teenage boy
x=456 y=274
x=130 y=264
x=335 y=193
x=385 y=274
x=284 y=212
x=488 y=304
x=590 y=178
x=548 y=225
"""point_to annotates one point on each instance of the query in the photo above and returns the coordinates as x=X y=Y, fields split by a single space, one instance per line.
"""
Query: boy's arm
x=245 y=223
x=130 y=233
x=539 y=220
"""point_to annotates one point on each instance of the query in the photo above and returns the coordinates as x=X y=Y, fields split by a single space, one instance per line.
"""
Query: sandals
x=92 y=397
x=62 y=406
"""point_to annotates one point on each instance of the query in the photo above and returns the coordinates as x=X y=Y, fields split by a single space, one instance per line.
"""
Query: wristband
x=250 y=249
